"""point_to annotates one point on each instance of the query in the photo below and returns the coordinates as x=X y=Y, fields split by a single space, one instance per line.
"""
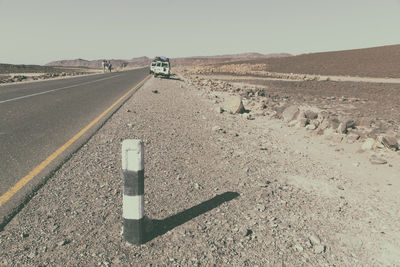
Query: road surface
x=38 y=118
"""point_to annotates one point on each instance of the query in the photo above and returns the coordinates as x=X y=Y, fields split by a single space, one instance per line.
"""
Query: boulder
x=324 y=124
x=290 y=113
x=352 y=137
x=311 y=127
x=389 y=142
x=234 y=105
x=311 y=115
x=345 y=125
x=303 y=122
x=368 y=144
x=334 y=122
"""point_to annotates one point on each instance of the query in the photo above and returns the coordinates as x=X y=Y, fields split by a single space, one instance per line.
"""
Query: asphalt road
x=38 y=118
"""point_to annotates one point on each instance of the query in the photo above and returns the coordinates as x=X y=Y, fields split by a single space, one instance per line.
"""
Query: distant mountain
x=145 y=61
x=97 y=64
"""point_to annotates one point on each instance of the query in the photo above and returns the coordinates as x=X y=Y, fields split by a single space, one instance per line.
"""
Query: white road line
x=57 y=89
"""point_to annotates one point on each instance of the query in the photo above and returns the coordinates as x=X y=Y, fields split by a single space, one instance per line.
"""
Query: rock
x=234 y=105
x=219 y=110
x=316 y=123
x=377 y=160
x=334 y=122
x=248 y=116
x=311 y=115
x=350 y=124
x=303 y=122
x=261 y=207
x=319 y=249
x=216 y=129
x=368 y=144
x=311 y=127
x=389 y=142
x=314 y=239
x=155 y=91
x=293 y=123
x=352 y=137
x=248 y=232
x=341 y=128
x=344 y=126
x=298 y=248
x=63 y=242
x=301 y=115
x=290 y=113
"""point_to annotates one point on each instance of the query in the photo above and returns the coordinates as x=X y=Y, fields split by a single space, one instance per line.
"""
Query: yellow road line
x=21 y=183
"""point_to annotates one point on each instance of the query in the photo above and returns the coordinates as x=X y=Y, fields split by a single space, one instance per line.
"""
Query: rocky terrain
x=235 y=175
x=320 y=106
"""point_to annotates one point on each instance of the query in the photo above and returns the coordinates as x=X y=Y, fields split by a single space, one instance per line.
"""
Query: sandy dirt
x=220 y=188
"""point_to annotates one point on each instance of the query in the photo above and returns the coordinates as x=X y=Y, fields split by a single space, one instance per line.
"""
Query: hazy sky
x=40 y=31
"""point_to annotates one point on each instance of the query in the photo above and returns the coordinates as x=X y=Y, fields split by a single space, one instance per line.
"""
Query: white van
x=162 y=68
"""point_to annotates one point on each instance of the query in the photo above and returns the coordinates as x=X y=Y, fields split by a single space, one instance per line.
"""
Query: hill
x=383 y=61
x=145 y=61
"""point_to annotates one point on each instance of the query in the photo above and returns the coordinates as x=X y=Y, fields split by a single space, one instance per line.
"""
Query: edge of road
x=14 y=204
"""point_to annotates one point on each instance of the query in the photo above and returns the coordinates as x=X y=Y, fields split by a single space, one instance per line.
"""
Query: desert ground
x=244 y=166
x=221 y=188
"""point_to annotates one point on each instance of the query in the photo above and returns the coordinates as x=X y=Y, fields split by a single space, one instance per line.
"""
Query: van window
x=153 y=64
x=165 y=64
x=159 y=64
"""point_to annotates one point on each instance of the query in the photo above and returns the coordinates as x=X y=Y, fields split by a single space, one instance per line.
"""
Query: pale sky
x=40 y=31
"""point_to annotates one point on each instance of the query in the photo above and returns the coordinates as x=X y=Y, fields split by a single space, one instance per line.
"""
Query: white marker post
x=133 y=200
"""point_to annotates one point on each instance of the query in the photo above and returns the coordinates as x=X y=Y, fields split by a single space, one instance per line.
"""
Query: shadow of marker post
x=161 y=227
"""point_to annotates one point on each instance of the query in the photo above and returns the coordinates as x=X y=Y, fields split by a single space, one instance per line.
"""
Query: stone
x=341 y=128
x=303 y=122
x=390 y=142
x=216 y=129
x=219 y=110
x=298 y=248
x=368 y=144
x=334 y=122
x=293 y=123
x=344 y=126
x=301 y=115
x=319 y=249
x=375 y=160
x=234 y=105
x=311 y=115
x=290 y=113
x=352 y=137
x=311 y=127
x=350 y=124
x=314 y=238
x=248 y=116
x=316 y=123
